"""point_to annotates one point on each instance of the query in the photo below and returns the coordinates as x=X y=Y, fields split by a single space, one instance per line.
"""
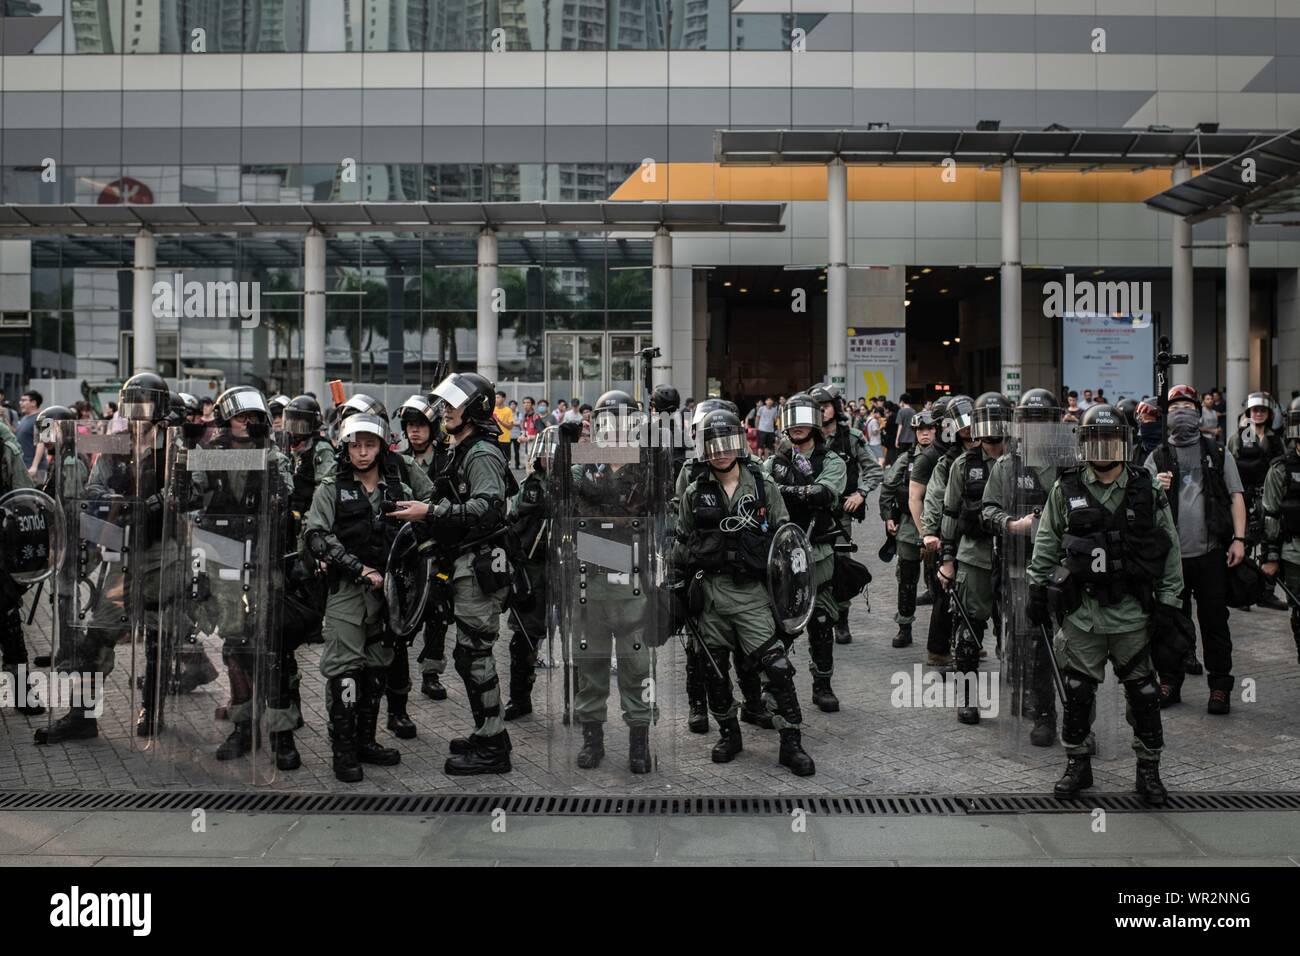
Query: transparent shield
x=108 y=479
x=32 y=540
x=1029 y=690
x=617 y=680
x=217 y=670
x=790 y=578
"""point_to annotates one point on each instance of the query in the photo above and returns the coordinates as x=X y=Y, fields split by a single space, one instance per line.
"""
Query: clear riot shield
x=614 y=685
x=1028 y=677
x=220 y=686
x=32 y=539
x=790 y=578
x=108 y=478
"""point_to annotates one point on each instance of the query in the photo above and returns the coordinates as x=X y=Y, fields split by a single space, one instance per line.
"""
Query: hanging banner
x=877 y=363
x=1114 y=354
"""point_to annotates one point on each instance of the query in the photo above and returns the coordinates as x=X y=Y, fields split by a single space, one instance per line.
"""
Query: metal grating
x=631 y=805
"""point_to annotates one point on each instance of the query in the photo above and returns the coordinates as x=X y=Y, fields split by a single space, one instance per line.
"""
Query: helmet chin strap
x=735 y=462
x=1104 y=466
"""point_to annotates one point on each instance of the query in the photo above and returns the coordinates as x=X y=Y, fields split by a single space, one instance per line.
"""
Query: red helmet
x=1147 y=410
x=1184 y=393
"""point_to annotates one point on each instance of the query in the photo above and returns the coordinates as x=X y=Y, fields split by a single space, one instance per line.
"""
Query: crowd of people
x=1078 y=532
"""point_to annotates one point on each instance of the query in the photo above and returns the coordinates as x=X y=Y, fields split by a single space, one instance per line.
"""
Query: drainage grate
x=633 y=806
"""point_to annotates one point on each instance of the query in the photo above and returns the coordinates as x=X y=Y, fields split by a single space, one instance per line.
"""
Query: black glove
x=1037 y=609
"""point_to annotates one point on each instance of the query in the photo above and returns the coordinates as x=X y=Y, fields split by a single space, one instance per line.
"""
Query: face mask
x=1184 y=425
x=541 y=409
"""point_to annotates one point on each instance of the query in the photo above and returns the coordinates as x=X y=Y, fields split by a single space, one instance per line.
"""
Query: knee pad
x=460 y=660
x=1080 y=691
x=1144 y=701
x=778 y=668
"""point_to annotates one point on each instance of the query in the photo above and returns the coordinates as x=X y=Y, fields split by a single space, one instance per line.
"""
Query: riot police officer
x=467 y=520
x=276 y=404
x=13 y=647
x=350 y=530
x=1255 y=446
x=1106 y=564
x=862 y=473
x=1282 y=518
x=811 y=478
x=420 y=424
x=967 y=544
x=727 y=518
x=896 y=512
x=928 y=485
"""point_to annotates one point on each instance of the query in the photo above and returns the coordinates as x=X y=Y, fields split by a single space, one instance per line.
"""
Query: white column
x=1181 y=329
x=144 y=350
x=661 y=306
x=313 y=315
x=1237 y=340
x=837 y=273
x=699 y=336
x=1011 y=318
x=487 y=317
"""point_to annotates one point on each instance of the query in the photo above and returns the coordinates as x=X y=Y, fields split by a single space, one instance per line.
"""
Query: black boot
x=752 y=709
x=399 y=721
x=515 y=709
x=1044 y=732
x=146 y=724
x=729 y=743
x=1149 y=786
x=638 y=749
x=793 y=755
x=904 y=636
x=369 y=750
x=593 y=746
x=485 y=755
x=286 y=753
x=1191 y=665
x=195 y=670
x=1077 y=776
x=822 y=694
x=463 y=745
x=697 y=690
x=431 y=687
x=238 y=743
x=925 y=598
x=756 y=713
x=74 y=725
x=343 y=727
x=842 y=633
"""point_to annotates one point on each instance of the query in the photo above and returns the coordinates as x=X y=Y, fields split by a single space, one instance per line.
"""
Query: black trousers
x=1206 y=579
x=938 y=639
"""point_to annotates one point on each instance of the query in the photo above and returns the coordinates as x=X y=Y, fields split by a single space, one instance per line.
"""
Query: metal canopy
x=1122 y=148
x=1274 y=191
x=366 y=217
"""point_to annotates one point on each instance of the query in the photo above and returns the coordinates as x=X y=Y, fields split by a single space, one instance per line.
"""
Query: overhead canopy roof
x=1124 y=148
x=343 y=217
x=1275 y=189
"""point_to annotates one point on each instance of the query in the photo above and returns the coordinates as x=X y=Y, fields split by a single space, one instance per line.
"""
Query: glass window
x=333 y=26
x=577 y=24
x=516 y=25
x=392 y=182
x=453 y=182
x=454 y=25
x=222 y=26
x=273 y=26
x=699 y=24
x=762 y=31
x=153 y=26
x=326 y=184
x=638 y=24
x=91 y=27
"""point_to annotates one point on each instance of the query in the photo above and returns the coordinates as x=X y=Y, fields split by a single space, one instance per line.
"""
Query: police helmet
x=1104 y=435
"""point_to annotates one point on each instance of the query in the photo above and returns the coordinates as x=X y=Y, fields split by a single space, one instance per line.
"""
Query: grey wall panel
x=575 y=144
x=575 y=107
x=88 y=147
x=94 y=110
x=690 y=144
x=1185 y=35
x=271 y=145
x=1005 y=33
x=1073 y=34
x=760 y=107
x=834 y=32
x=150 y=147
x=514 y=107
x=896 y=107
x=823 y=107
x=1116 y=107
x=453 y=144
x=453 y=107
x=33 y=109
x=331 y=144
x=637 y=107
x=392 y=144
x=211 y=108
x=28 y=147
x=392 y=107
x=946 y=33
x=272 y=108
x=206 y=147
x=1287 y=74
x=331 y=107
x=1011 y=107
x=1247 y=36
x=695 y=107
x=151 y=108
x=632 y=144
x=945 y=108
x=514 y=144
x=1072 y=108
x=884 y=32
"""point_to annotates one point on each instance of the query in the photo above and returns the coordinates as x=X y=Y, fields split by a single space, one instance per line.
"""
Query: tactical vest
x=304 y=477
x=604 y=491
x=842 y=444
x=801 y=513
x=449 y=482
x=530 y=517
x=1291 y=497
x=1218 y=504
x=743 y=553
x=1029 y=492
x=365 y=534
x=220 y=497
x=975 y=475
x=1254 y=458
x=1112 y=554
x=902 y=493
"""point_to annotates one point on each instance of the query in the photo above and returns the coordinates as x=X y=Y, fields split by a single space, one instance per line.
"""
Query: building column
x=487 y=316
x=661 y=306
x=144 y=349
x=699 y=336
x=837 y=273
x=396 y=283
x=313 y=315
x=1011 y=318
x=1181 y=328
x=1237 y=340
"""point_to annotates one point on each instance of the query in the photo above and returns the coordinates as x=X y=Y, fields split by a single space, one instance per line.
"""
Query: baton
x=36 y=600
x=956 y=602
x=690 y=626
x=1056 y=667
x=1291 y=595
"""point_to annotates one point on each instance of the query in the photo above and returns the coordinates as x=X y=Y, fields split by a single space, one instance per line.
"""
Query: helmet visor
x=793 y=416
x=237 y=403
x=357 y=425
x=299 y=424
x=1103 y=445
x=960 y=416
x=733 y=443
x=1293 y=425
x=144 y=404
x=990 y=422
x=453 y=390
